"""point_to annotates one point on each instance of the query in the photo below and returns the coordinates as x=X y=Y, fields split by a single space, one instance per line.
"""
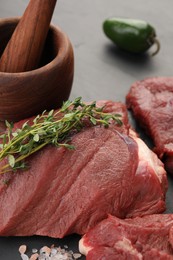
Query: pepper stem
x=157 y=43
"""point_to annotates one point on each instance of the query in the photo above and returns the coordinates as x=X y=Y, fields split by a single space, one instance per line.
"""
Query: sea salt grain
x=76 y=255
x=53 y=251
x=34 y=256
x=22 y=249
x=24 y=257
x=45 y=250
x=34 y=250
x=43 y=257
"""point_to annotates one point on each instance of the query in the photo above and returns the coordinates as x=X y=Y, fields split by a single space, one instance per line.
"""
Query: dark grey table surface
x=101 y=71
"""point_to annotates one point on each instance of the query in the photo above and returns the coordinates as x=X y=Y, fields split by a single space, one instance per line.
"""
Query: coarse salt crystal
x=70 y=252
x=43 y=257
x=76 y=255
x=53 y=251
x=22 y=249
x=46 y=250
x=34 y=256
x=34 y=250
x=24 y=257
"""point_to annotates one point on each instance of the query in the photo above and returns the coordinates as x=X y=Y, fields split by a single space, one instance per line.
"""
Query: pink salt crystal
x=34 y=256
x=22 y=249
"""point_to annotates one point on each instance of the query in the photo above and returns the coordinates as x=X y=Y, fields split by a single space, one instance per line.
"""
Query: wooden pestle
x=24 y=49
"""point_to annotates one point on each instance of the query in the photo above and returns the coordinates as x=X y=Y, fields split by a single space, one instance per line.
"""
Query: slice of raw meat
x=148 y=237
x=64 y=192
x=151 y=101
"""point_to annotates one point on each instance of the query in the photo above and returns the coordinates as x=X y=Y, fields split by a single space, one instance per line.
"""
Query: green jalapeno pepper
x=135 y=36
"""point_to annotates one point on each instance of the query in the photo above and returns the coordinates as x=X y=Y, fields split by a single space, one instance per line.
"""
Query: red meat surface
x=151 y=101
x=140 y=238
x=69 y=191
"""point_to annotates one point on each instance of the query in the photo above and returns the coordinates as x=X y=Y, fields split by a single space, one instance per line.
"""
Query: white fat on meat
x=83 y=248
x=147 y=156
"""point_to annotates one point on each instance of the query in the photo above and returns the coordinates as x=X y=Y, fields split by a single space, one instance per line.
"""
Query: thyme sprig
x=53 y=127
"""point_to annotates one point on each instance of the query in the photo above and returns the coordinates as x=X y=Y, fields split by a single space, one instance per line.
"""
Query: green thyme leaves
x=54 y=127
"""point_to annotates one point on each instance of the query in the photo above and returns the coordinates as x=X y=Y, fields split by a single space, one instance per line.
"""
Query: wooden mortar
x=24 y=49
x=28 y=93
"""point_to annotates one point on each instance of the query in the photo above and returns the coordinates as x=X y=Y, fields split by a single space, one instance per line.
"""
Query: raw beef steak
x=64 y=191
x=151 y=101
x=149 y=238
